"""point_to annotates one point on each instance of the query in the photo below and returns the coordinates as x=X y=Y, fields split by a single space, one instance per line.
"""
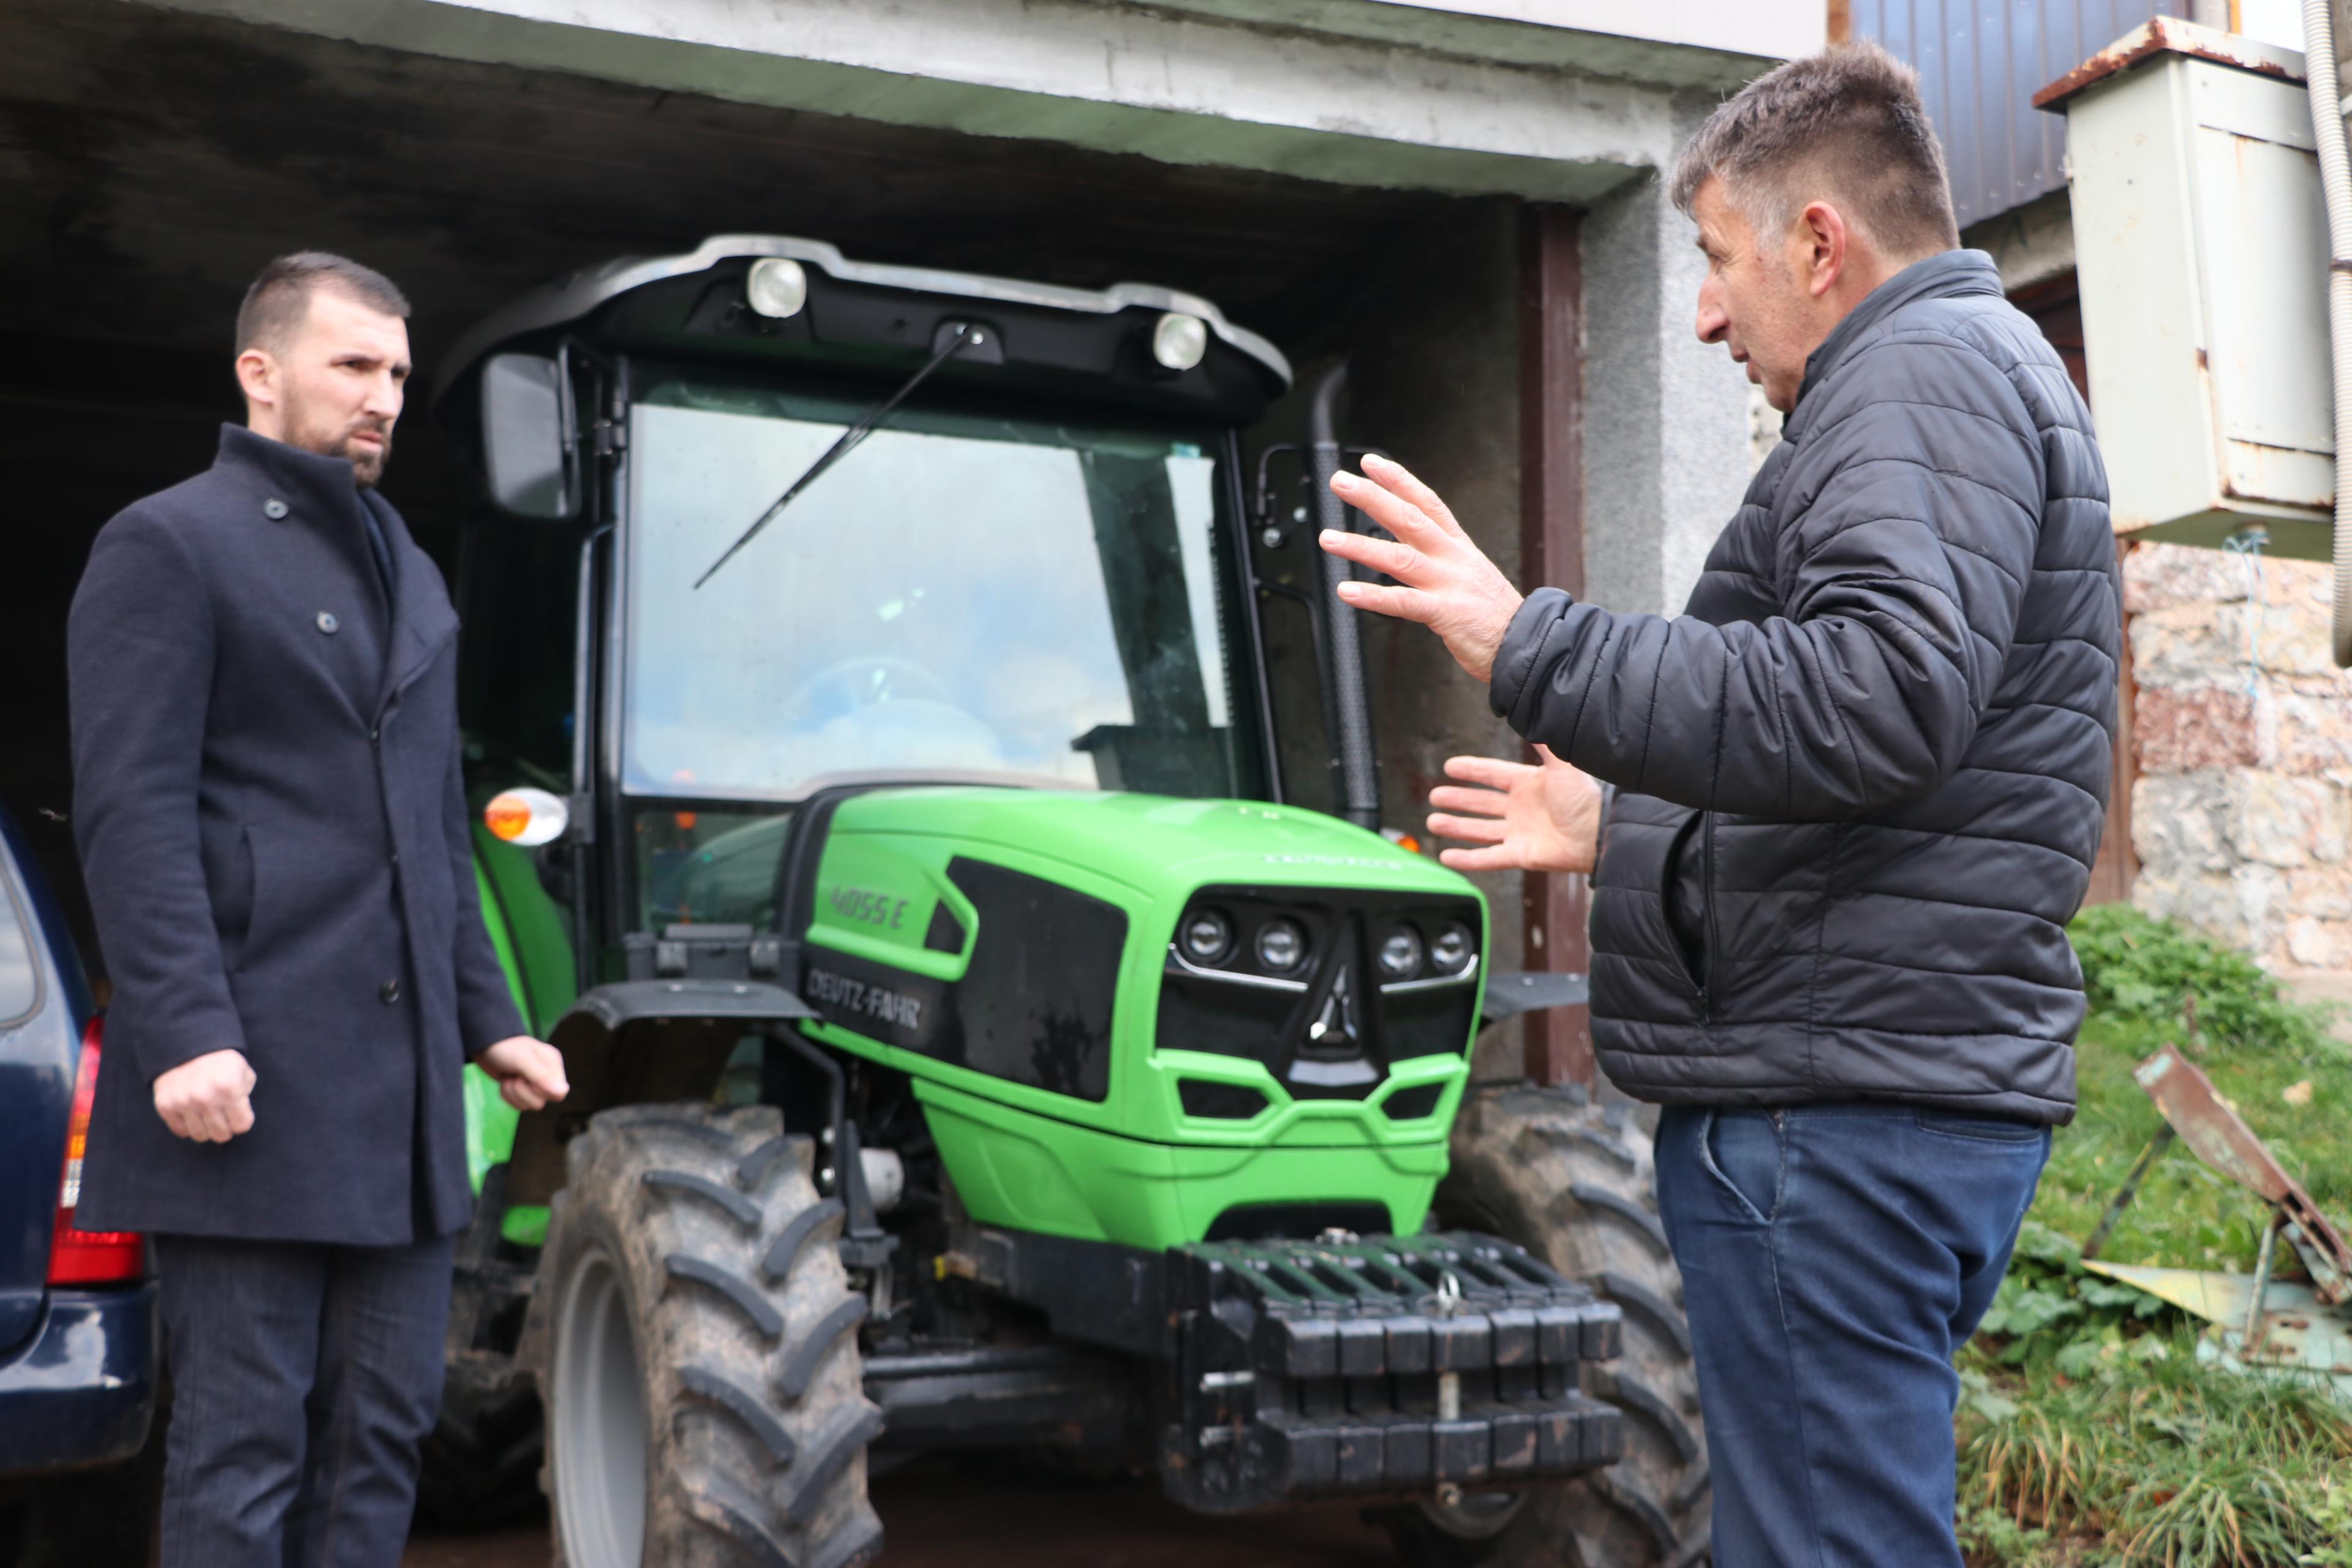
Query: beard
x=341 y=441
x=367 y=462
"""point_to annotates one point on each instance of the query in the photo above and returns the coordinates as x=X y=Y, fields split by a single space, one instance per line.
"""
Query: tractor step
x=1379 y=1365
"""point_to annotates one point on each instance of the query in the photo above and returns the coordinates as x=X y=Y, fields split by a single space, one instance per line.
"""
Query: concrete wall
x=1666 y=423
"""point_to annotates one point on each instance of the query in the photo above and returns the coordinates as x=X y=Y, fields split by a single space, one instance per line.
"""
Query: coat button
x=328 y=624
x=389 y=992
x=273 y=509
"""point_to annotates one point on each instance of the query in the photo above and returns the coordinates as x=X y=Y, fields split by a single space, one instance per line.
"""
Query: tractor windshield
x=964 y=592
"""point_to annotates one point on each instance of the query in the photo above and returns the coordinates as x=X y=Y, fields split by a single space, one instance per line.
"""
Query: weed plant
x=2151 y=1458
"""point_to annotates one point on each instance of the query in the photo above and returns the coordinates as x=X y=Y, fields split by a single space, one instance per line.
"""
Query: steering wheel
x=850 y=684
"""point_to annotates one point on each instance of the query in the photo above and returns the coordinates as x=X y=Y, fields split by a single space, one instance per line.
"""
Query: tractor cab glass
x=980 y=595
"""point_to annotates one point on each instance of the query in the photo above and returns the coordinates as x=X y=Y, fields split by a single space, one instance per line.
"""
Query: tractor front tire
x=702 y=1377
x=1574 y=1183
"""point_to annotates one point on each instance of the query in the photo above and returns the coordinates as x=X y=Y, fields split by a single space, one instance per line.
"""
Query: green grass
x=2156 y=1461
x=2090 y=1437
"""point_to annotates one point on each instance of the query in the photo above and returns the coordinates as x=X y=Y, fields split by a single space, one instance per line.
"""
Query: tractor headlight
x=777 y=287
x=1401 y=953
x=1178 y=340
x=1281 y=945
x=1208 y=936
x=1452 y=949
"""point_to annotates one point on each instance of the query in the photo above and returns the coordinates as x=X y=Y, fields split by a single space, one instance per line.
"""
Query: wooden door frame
x=1553 y=908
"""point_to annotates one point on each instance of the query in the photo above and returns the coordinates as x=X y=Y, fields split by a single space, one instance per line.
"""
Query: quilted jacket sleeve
x=1908 y=517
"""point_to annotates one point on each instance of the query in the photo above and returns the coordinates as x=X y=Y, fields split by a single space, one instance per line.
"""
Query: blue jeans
x=303 y=1378
x=1834 y=1259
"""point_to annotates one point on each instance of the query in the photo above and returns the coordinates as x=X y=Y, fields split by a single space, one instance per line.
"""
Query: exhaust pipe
x=1358 y=782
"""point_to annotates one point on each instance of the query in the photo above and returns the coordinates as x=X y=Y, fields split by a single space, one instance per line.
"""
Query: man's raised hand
x=1526 y=818
x=207 y=1098
x=1445 y=582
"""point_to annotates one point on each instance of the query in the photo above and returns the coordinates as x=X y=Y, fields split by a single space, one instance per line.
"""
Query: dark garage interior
x=154 y=160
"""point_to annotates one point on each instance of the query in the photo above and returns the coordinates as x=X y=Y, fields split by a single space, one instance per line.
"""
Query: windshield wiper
x=866 y=426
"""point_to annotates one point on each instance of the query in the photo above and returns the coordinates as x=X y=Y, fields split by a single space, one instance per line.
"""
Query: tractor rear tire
x=1574 y=1183
x=702 y=1376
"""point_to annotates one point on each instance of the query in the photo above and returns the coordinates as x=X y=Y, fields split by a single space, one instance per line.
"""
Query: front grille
x=1328 y=1027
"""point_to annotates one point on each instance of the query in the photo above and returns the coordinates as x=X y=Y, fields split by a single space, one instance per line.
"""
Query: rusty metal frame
x=2219 y=1136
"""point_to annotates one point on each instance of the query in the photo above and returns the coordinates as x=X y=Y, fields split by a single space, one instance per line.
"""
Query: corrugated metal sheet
x=1979 y=62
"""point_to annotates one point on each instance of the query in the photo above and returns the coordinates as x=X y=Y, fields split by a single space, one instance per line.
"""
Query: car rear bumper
x=82 y=1391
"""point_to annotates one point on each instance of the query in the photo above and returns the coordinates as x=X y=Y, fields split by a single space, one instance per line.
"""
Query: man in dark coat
x=268 y=802
x=1859 y=786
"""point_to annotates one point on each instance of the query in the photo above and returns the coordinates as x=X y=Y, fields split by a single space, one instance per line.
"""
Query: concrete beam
x=1248 y=84
x=1716 y=44
x=1666 y=423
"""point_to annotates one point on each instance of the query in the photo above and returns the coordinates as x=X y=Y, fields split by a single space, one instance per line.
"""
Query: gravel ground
x=941 y=1515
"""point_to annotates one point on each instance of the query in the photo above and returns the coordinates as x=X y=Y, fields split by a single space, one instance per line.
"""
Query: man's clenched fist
x=530 y=1072
x=207 y=1098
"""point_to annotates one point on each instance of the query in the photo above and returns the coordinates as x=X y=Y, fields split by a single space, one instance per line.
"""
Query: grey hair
x=1845 y=126
x=279 y=300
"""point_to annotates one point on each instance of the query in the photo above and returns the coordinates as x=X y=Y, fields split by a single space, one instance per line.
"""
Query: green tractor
x=870 y=717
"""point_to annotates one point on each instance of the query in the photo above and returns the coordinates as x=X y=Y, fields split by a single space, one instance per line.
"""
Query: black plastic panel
x=1219 y=1101
x=1035 y=1004
x=946 y=933
x=1295 y=1222
x=1412 y=1104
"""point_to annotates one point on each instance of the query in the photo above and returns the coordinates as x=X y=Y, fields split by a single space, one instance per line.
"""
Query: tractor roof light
x=526 y=817
x=1180 y=341
x=777 y=287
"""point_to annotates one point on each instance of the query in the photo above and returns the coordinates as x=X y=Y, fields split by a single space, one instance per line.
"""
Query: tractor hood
x=1157 y=845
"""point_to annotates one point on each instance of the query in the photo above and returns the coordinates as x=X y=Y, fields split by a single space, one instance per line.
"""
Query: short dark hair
x=1846 y=125
x=280 y=299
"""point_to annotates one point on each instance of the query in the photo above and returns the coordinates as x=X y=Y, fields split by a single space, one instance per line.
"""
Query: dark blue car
x=79 y=1351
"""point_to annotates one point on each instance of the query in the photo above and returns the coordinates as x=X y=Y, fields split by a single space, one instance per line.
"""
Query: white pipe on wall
x=2336 y=188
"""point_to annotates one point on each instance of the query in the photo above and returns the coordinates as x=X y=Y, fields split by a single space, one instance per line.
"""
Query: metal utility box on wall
x=2201 y=251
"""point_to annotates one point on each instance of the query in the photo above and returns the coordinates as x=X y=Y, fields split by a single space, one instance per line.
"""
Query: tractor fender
x=633 y=1042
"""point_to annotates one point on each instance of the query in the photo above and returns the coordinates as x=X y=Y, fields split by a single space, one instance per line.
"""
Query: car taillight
x=79 y=1256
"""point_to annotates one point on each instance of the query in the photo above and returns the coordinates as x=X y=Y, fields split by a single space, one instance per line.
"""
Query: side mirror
x=527 y=446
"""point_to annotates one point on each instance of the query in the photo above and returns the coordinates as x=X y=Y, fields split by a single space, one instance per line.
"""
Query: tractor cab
x=1027 y=571
x=879 y=806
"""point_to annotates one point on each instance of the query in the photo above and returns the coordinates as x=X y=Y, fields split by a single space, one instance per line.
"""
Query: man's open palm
x=1528 y=817
x=1444 y=581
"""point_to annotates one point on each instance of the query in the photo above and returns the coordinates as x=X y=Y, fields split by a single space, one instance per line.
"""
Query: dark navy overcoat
x=268 y=801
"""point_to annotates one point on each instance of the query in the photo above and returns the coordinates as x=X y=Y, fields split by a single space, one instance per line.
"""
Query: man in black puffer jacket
x=1858 y=787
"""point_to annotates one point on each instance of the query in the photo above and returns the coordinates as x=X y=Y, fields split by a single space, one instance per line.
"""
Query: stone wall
x=2242 y=815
